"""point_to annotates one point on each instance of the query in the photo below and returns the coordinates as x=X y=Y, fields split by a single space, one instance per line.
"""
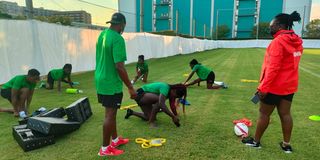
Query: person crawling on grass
x=151 y=99
x=142 y=70
x=204 y=74
x=59 y=75
x=19 y=91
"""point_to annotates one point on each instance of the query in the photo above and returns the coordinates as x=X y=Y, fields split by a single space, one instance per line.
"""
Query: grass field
x=206 y=130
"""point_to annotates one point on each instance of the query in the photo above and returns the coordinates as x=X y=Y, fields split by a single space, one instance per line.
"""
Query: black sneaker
x=286 y=148
x=249 y=141
x=129 y=113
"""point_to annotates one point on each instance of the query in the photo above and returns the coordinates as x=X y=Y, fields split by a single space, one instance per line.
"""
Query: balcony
x=164 y=3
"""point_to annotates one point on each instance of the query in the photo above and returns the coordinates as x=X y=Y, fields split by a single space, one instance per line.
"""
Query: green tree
x=5 y=16
x=59 y=19
x=264 y=31
x=54 y=19
x=223 y=32
x=41 y=18
x=313 y=29
x=20 y=17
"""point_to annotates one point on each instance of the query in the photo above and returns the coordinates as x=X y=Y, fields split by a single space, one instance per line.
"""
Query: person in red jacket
x=279 y=78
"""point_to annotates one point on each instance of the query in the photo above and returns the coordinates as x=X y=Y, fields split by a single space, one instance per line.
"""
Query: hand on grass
x=176 y=120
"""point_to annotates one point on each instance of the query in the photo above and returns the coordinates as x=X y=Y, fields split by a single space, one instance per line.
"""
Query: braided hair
x=141 y=57
x=193 y=62
x=181 y=91
x=286 y=20
x=67 y=66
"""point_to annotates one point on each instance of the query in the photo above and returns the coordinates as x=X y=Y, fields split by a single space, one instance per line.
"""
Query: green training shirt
x=110 y=49
x=157 y=88
x=142 y=67
x=19 y=82
x=201 y=71
x=57 y=74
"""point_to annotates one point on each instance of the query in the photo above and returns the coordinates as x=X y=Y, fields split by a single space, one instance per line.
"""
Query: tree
x=5 y=16
x=20 y=17
x=313 y=29
x=60 y=19
x=56 y=19
x=264 y=31
x=223 y=32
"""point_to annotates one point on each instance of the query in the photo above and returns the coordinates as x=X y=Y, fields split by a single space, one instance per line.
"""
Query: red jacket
x=279 y=74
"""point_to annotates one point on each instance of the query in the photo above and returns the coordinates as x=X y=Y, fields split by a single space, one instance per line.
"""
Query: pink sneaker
x=110 y=151
x=121 y=141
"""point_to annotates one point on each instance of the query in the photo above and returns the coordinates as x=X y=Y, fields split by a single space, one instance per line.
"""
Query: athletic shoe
x=225 y=86
x=110 y=151
x=249 y=141
x=121 y=141
x=286 y=148
x=129 y=113
x=22 y=114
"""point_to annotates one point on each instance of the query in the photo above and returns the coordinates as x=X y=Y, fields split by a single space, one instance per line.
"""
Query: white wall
x=33 y=44
x=301 y=6
x=128 y=8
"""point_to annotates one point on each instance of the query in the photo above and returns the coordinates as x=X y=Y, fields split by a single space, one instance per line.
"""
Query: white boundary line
x=308 y=71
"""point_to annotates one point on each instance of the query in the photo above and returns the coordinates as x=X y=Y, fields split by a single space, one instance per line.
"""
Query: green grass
x=206 y=131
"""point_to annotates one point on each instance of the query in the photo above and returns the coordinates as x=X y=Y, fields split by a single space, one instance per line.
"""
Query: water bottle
x=73 y=90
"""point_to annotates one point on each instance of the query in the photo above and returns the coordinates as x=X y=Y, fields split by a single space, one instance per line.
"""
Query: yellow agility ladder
x=155 y=142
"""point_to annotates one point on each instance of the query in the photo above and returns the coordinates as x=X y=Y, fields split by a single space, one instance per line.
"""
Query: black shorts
x=6 y=93
x=273 y=99
x=140 y=93
x=50 y=80
x=112 y=101
x=211 y=77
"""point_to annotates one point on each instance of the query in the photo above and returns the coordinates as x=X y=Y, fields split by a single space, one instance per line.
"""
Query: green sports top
x=19 y=82
x=201 y=71
x=58 y=74
x=143 y=67
x=110 y=49
x=157 y=88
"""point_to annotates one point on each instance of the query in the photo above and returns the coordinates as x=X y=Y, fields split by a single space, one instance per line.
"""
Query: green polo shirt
x=143 y=67
x=57 y=74
x=201 y=71
x=157 y=88
x=110 y=49
x=19 y=82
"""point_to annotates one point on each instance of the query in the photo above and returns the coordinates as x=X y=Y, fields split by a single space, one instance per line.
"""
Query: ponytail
x=287 y=20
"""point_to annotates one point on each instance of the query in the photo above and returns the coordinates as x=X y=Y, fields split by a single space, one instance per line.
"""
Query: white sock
x=285 y=143
x=115 y=140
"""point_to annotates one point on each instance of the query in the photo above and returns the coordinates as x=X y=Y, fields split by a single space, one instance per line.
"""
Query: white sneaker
x=22 y=114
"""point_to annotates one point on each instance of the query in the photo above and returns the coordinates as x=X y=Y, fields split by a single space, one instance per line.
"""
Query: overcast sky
x=101 y=10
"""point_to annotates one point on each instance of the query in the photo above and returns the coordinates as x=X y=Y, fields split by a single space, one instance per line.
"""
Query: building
x=13 y=9
x=76 y=16
x=201 y=18
x=10 y=8
x=42 y=12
